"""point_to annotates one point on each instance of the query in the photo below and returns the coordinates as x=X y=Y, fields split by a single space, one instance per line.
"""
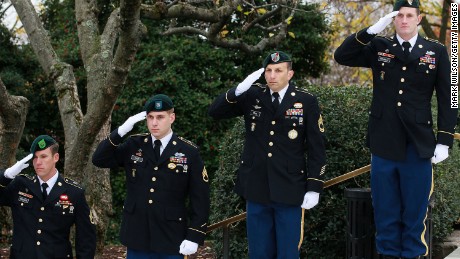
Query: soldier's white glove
x=188 y=247
x=18 y=167
x=310 y=200
x=382 y=23
x=129 y=123
x=441 y=152
x=246 y=84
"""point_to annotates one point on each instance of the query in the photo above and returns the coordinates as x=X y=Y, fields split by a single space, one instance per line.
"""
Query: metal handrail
x=327 y=184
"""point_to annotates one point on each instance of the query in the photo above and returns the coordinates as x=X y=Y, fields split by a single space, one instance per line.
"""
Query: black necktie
x=44 y=193
x=276 y=101
x=156 y=149
x=406 y=45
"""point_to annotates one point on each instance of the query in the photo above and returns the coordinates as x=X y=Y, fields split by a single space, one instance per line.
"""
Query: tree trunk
x=13 y=113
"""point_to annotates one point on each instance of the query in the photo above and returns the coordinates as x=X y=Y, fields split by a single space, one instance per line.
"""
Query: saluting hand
x=18 y=167
x=129 y=123
x=246 y=84
x=310 y=200
x=441 y=152
x=188 y=247
x=382 y=23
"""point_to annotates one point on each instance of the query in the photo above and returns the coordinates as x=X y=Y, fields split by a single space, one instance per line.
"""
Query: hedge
x=345 y=114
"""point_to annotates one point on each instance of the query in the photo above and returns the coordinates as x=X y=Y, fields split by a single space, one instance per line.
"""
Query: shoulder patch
x=433 y=40
x=302 y=90
x=188 y=142
x=72 y=182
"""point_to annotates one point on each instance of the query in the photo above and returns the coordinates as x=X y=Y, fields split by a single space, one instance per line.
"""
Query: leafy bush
x=345 y=114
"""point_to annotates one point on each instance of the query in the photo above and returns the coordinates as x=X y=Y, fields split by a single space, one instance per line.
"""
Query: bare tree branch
x=87 y=25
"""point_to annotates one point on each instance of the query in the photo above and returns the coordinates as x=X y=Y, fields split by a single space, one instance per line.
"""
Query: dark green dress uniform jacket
x=273 y=164
x=42 y=227
x=401 y=104
x=155 y=216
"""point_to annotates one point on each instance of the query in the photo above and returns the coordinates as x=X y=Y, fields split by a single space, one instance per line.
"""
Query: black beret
x=275 y=58
x=406 y=3
x=41 y=142
x=159 y=102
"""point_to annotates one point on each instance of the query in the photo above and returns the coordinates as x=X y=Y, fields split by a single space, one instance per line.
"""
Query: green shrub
x=345 y=114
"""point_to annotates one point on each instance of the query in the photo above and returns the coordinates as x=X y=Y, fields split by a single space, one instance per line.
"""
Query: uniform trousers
x=274 y=230
x=400 y=195
x=136 y=254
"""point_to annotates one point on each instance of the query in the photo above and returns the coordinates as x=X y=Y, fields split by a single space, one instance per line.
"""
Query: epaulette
x=433 y=40
x=188 y=142
x=259 y=85
x=390 y=38
x=140 y=134
x=303 y=90
x=28 y=176
x=72 y=182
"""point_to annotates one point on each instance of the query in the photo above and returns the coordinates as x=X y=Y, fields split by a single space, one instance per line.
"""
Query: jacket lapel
x=170 y=149
x=417 y=50
x=396 y=48
x=58 y=189
x=288 y=100
x=266 y=99
x=35 y=188
x=147 y=149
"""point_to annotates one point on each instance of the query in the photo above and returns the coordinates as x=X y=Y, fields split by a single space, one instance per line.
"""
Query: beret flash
x=159 y=102
x=41 y=142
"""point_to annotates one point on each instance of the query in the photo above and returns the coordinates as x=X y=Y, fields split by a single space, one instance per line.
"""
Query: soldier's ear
x=56 y=157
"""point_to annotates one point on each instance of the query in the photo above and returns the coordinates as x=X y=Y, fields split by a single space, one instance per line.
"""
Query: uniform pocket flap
x=177 y=214
x=423 y=117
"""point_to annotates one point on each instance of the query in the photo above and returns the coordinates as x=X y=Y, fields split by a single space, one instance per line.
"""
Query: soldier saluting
x=406 y=69
x=163 y=171
x=283 y=123
x=45 y=206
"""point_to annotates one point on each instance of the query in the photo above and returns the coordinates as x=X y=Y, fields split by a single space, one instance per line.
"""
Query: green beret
x=275 y=58
x=41 y=142
x=406 y=3
x=159 y=102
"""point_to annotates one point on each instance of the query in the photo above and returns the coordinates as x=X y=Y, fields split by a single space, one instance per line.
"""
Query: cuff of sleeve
x=315 y=185
x=445 y=138
x=230 y=95
x=196 y=235
x=114 y=138
x=4 y=181
x=363 y=37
